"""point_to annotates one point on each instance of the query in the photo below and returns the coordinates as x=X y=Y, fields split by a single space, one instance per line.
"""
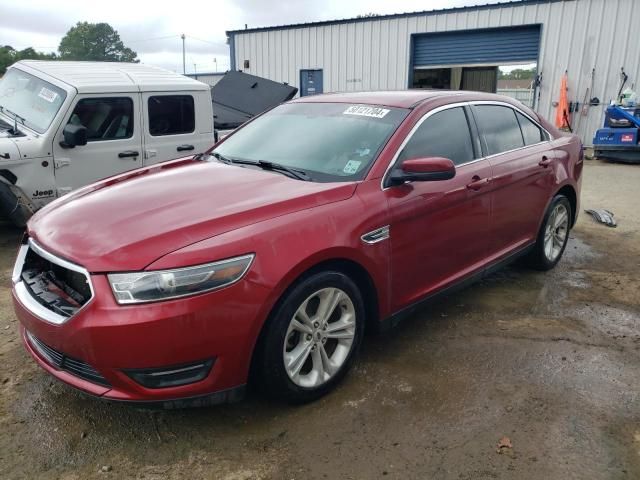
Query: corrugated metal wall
x=577 y=35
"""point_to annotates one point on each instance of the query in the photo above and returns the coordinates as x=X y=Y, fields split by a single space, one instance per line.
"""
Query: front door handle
x=129 y=153
x=545 y=162
x=183 y=148
x=477 y=183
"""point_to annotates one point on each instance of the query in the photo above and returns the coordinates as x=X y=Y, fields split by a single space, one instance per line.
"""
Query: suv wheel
x=312 y=338
x=553 y=235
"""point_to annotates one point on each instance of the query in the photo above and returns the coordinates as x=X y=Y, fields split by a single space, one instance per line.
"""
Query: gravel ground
x=549 y=360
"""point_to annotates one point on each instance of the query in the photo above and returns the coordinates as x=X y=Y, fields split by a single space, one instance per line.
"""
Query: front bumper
x=112 y=339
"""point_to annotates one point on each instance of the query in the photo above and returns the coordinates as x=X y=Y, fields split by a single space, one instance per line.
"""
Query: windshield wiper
x=16 y=117
x=299 y=174
x=276 y=167
x=222 y=158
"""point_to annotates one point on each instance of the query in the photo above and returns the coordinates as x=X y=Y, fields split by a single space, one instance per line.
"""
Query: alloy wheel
x=320 y=337
x=556 y=232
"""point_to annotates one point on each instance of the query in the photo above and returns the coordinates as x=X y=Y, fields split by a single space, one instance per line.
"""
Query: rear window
x=171 y=115
x=499 y=127
x=530 y=131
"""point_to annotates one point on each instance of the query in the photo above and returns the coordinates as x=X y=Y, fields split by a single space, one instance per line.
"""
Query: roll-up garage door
x=496 y=46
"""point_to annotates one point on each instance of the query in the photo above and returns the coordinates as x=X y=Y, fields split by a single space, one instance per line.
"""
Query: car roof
x=101 y=77
x=397 y=98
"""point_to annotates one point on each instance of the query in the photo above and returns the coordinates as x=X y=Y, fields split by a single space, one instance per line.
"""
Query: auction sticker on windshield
x=47 y=94
x=374 y=112
x=351 y=167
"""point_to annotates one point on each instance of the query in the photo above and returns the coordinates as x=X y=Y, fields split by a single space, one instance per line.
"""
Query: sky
x=153 y=28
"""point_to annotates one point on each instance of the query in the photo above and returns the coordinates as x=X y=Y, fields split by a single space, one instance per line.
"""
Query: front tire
x=553 y=235
x=312 y=338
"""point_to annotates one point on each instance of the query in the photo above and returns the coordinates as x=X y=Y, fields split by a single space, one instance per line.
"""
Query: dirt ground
x=549 y=360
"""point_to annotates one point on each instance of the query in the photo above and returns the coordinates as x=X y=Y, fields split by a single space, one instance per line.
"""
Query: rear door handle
x=477 y=183
x=183 y=148
x=545 y=162
x=129 y=153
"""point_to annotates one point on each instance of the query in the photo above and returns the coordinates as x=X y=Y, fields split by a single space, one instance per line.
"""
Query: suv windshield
x=30 y=98
x=328 y=141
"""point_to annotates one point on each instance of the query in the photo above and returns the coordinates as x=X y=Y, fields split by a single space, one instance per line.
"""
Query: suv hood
x=127 y=222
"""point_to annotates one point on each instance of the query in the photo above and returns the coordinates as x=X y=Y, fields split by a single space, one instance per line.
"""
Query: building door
x=468 y=59
x=310 y=82
x=480 y=79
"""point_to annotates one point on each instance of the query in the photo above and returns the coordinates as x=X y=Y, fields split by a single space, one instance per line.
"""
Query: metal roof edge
x=486 y=6
x=204 y=73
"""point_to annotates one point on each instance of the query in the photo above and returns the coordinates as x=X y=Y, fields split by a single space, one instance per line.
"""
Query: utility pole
x=184 y=68
x=215 y=61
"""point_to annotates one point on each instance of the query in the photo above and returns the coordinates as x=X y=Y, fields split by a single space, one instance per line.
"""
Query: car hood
x=127 y=222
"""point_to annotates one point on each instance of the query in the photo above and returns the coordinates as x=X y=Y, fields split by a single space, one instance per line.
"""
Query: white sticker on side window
x=374 y=112
x=351 y=167
x=47 y=94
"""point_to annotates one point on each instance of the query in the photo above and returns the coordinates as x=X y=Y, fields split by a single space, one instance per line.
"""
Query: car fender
x=285 y=248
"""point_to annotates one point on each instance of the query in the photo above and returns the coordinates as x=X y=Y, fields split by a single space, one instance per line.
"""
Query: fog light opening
x=173 y=376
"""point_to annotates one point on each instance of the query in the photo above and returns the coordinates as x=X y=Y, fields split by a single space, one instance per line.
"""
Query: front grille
x=55 y=284
x=66 y=363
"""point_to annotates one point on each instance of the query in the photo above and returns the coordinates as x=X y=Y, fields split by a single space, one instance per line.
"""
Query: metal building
x=457 y=48
x=210 y=78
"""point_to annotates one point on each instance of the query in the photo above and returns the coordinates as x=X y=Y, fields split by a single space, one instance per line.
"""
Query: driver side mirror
x=74 y=135
x=427 y=169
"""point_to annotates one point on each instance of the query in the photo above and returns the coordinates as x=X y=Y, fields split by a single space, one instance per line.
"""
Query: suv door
x=521 y=157
x=114 y=141
x=439 y=230
x=176 y=125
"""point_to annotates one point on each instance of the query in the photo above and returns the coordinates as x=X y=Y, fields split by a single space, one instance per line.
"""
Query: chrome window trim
x=27 y=300
x=457 y=105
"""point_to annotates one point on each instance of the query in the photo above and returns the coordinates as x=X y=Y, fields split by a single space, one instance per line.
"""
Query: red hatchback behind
x=272 y=253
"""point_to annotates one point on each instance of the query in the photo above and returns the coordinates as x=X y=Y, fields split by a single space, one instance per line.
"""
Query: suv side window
x=171 y=115
x=443 y=134
x=104 y=118
x=530 y=131
x=499 y=128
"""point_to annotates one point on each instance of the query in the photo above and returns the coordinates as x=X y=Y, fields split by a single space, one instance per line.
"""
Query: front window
x=444 y=134
x=104 y=118
x=31 y=98
x=329 y=141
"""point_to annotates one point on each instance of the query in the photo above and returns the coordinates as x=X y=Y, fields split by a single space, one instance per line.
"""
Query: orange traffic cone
x=563 y=119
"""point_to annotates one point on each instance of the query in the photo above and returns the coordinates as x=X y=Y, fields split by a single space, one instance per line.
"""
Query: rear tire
x=311 y=339
x=553 y=235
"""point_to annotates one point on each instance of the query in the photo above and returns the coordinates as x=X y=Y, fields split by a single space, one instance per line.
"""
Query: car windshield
x=30 y=98
x=328 y=141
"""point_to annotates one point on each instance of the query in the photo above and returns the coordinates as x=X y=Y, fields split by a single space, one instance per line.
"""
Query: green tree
x=518 y=74
x=95 y=41
x=9 y=55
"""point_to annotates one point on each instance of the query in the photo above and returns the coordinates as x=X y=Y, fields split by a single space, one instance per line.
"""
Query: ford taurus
x=268 y=257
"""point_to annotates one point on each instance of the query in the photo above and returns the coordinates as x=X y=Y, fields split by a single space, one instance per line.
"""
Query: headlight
x=140 y=287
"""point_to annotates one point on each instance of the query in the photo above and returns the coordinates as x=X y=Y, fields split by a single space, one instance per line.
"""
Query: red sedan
x=269 y=256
